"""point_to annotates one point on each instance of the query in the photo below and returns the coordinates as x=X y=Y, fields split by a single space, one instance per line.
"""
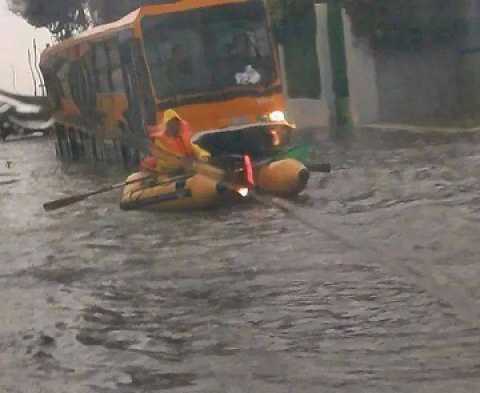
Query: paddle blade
x=59 y=203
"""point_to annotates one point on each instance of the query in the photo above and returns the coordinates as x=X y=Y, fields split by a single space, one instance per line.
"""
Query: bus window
x=54 y=87
x=115 y=70
x=101 y=68
x=89 y=62
x=63 y=78
x=177 y=61
x=92 y=61
x=205 y=50
x=78 y=85
x=237 y=47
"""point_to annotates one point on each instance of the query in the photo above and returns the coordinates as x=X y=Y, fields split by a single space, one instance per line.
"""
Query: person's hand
x=187 y=163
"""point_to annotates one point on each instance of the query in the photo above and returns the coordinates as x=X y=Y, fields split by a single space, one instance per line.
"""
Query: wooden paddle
x=319 y=167
x=8 y=182
x=63 y=202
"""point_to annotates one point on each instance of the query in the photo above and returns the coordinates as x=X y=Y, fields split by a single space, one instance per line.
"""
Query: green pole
x=338 y=58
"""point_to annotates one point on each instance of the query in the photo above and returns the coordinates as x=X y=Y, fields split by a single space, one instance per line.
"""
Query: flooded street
x=378 y=293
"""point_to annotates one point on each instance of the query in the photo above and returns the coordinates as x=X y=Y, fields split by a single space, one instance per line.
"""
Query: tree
x=105 y=11
x=62 y=17
x=406 y=24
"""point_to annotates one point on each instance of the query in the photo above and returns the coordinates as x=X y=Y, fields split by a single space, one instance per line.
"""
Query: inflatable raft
x=207 y=188
x=195 y=192
x=242 y=158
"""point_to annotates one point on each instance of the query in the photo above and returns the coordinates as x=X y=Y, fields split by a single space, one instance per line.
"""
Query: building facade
x=438 y=82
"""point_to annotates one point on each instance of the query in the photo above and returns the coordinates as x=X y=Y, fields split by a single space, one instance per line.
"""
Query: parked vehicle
x=10 y=129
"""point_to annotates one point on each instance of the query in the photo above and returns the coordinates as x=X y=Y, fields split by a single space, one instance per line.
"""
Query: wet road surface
x=377 y=293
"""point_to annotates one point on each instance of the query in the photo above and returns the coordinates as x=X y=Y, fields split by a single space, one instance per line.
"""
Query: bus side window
x=53 y=87
x=101 y=68
x=91 y=74
x=108 y=51
x=74 y=83
x=115 y=69
x=63 y=78
x=57 y=81
x=93 y=66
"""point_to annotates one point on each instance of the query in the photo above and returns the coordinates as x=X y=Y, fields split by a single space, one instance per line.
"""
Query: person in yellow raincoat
x=172 y=150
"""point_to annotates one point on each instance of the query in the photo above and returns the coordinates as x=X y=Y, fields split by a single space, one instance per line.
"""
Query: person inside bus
x=172 y=151
x=241 y=50
x=179 y=69
x=242 y=61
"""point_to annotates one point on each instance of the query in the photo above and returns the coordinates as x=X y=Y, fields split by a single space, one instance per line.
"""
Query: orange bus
x=213 y=61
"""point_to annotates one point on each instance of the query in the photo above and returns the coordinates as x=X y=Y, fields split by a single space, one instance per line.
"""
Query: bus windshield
x=209 y=49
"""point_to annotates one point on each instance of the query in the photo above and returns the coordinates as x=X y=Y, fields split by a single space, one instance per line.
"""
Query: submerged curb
x=423 y=130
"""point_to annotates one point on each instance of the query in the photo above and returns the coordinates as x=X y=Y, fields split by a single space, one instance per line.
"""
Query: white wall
x=311 y=113
x=393 y=86
x=362 y=78
x=319 y=114
x=400 y=86
x=417 y=86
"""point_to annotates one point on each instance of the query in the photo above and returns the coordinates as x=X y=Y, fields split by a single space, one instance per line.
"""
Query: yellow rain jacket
x=168 y=153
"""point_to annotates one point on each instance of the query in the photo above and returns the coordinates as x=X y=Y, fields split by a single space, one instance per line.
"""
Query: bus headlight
x=243 y=191
x=277 y=116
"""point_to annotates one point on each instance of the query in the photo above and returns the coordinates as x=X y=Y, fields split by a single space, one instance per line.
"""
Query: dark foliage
x=62 y=17
x=106 y=11
x=295 y=27
x=406 y=24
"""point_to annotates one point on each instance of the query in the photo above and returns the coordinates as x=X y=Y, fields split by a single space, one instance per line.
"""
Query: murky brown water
x=378 y=294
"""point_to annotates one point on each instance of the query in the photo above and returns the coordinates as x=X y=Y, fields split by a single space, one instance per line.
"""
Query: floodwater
x=370 y=286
